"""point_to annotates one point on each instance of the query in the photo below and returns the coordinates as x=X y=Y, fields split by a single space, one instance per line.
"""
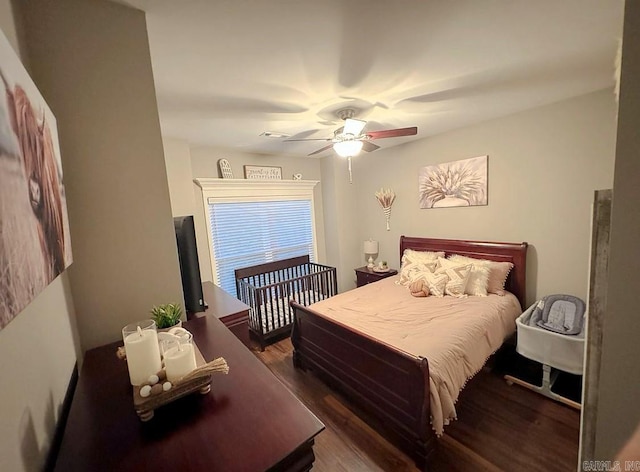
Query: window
x=253 y=223
x=250 y=233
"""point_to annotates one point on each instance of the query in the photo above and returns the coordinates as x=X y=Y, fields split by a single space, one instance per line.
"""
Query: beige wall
x=99 y=84
x=186 y=198
x=619 y=390
x=344 y=248
x=544 y=165
x=8 y=25
x=38 y=351
x=204 y=162
x=177 y=157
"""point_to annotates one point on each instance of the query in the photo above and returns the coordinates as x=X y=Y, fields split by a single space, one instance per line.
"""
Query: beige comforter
x=456 y=335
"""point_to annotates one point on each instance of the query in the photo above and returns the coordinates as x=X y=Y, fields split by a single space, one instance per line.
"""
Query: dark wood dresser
x=249 y=422
x=228 y=309
x=365 y=276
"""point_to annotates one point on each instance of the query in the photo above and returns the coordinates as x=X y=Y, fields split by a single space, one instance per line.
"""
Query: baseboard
x=52 y=457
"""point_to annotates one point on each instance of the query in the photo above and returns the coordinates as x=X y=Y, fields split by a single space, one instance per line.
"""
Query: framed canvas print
x=454 y=184
x=35 y=246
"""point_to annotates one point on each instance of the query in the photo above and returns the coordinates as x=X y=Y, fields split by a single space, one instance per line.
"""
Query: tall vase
x=450 y=201
x=387 y=214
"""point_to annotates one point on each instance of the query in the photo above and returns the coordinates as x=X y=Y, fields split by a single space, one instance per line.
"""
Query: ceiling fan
x=349 y=140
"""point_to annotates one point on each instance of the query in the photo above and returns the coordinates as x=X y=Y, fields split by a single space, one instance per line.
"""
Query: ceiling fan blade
x=353 y=127
x=392 y=133
x=307 y=139
x=369 y=146
x=321 y=150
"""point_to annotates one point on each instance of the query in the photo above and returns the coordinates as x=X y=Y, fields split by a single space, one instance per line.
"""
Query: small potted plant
x=167 y=316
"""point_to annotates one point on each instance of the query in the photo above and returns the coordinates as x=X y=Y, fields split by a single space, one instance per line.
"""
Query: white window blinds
x=255 y=232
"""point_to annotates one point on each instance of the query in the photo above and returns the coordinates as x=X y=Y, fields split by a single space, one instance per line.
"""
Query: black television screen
x=189 y=264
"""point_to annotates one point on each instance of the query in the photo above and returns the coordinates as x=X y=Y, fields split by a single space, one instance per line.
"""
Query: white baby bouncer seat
x=551 y=331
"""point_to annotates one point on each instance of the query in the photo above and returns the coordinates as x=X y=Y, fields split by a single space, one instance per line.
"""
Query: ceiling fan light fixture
x=353 y=127
x=348 y=148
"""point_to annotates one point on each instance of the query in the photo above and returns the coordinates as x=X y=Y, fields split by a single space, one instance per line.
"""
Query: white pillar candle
x=179 y=360
x=143 y=353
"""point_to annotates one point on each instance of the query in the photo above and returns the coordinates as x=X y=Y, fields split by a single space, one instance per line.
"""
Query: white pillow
x=409 y=255
x=437 y=283
x=412 y=270
x=478 y=277
x=457 y=276
x=498 y=271
x=410 y=258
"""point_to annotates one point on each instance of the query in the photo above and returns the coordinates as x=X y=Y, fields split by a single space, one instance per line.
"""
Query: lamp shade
x=348 y=148
x=371 y=247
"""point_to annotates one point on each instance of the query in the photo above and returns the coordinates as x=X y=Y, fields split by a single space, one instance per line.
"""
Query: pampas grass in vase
x=385 y=198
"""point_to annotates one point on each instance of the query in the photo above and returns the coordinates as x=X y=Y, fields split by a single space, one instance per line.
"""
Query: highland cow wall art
x=35 y=246
x=454 y=184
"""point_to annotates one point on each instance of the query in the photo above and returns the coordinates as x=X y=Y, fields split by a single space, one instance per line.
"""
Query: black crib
x=268 y=288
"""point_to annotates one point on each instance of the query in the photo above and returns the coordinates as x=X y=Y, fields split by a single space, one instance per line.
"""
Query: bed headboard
x=516 y=253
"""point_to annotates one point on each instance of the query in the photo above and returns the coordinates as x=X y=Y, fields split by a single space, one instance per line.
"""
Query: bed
x=268 y=288
x=390 y=386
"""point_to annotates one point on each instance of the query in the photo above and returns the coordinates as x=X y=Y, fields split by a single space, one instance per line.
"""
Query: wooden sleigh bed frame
x=389 y=386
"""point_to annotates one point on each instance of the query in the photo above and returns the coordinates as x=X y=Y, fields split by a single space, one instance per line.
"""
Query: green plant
x=166 y=315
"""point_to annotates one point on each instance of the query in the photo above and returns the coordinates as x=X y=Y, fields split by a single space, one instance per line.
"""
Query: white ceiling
x=227 y=70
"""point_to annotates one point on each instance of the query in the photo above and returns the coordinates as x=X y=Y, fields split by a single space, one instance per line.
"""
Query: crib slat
x=268 y=288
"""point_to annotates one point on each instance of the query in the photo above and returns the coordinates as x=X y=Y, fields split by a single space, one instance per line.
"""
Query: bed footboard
x=389 y=386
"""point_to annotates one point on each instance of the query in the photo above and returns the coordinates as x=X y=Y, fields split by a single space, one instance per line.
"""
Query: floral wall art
x=454 y=184
x=34 y=231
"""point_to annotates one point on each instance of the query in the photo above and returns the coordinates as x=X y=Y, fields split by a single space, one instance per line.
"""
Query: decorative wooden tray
x=145 y=406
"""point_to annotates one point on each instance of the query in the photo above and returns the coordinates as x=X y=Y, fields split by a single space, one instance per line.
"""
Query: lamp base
x=370 y=264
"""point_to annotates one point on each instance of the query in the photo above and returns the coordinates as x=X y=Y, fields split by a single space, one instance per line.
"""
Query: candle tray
x=145 y=406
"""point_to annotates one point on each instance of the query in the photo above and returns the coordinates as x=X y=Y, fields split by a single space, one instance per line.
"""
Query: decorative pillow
x=412 y=270
x=410 y=255
x=419 y=288
x=498 y=271
x=436 y=283
x=478 y=277
x=457 y=276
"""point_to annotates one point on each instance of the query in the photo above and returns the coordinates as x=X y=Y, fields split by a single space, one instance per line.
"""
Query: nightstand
x=366 y=276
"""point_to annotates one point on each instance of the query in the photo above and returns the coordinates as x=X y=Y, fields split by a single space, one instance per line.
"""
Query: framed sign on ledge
x=263 y=173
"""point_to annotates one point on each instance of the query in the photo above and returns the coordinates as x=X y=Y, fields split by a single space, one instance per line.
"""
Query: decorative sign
x=225 y=169
x=262 y=173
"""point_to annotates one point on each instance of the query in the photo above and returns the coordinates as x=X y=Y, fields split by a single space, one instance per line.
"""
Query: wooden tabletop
x=219 y=302
x=248 y=422
x=389 y=271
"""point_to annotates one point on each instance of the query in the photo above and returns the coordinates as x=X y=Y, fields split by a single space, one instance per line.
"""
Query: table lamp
x=371 y=250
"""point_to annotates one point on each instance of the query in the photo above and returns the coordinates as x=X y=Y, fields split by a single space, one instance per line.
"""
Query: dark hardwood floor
x=499 y=427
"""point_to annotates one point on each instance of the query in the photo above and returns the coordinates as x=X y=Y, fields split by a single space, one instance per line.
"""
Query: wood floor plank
x=499 y=427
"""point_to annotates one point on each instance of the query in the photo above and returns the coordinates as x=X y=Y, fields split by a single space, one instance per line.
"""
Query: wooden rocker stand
x=548 y=379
